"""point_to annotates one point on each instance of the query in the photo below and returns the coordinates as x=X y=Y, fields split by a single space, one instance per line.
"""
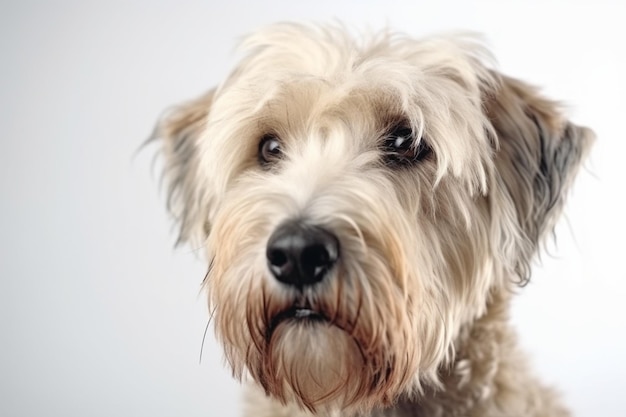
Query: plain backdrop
x=101 y=316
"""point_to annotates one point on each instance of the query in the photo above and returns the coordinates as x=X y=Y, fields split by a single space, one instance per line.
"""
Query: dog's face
x=360 y=203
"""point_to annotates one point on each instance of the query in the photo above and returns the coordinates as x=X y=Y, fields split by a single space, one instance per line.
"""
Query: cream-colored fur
x=412 y=317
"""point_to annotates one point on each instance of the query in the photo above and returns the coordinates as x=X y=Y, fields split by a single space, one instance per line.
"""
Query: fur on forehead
x=437 y=84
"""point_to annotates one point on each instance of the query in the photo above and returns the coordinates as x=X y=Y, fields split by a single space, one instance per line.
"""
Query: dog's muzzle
x=301 y=255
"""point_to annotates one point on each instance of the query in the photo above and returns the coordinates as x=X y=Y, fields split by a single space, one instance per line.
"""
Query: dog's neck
x=482 y=380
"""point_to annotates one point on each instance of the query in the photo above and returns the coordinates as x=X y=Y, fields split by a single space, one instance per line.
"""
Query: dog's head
x=360 y=202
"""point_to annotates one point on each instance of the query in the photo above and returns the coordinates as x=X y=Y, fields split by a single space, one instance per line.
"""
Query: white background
x=100 y=316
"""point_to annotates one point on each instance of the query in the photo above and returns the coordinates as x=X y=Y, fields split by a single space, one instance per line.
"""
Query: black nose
x=300 y=254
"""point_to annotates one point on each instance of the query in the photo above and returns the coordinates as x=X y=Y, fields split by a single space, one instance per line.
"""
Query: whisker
x=212 y=314
x=206 y=329
x=205 y=280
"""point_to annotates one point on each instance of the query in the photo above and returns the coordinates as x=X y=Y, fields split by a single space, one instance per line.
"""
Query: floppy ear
x=539 y=153
x=180 y=130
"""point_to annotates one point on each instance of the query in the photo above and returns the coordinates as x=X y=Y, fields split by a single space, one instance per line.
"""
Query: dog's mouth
x=302 y=313
x=298 y=313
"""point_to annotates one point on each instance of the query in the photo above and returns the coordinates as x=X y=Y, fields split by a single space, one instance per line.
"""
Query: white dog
x=368 y=208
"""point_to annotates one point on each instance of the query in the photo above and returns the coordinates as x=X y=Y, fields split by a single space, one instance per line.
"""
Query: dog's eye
x=400 y=146
x=269 y=149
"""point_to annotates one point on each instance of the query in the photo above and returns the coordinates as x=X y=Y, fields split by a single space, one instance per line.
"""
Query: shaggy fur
x=433 y=237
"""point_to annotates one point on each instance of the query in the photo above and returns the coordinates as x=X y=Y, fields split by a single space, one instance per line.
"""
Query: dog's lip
x=299 y=312
x=296 y=313
x=303 y=312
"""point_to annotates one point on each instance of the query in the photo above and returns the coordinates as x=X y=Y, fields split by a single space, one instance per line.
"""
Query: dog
x=368 y=207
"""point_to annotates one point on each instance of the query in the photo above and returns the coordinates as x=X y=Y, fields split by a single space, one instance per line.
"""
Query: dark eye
x=269 y=150
x=400 y=146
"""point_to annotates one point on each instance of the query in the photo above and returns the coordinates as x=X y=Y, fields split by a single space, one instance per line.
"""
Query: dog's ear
x=180 y=130
x=537 y=156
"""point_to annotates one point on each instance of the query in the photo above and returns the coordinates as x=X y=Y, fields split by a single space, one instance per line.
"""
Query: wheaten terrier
x=368 y=208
